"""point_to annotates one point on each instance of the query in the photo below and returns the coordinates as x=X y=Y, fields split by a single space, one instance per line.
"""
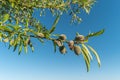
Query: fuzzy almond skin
x=62 y=37
x=40 y=35
x=62 y=49
x=79 y=38
x=59 y=44
x=71 y=48
x=71 y=43
x=77 y=50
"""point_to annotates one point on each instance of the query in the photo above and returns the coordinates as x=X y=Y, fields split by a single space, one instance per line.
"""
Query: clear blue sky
x=44 y=64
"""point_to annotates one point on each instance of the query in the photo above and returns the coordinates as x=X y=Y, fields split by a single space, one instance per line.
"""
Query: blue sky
x=44 y=64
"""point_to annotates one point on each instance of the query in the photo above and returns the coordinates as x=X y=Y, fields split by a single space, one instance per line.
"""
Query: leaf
x=47 y=35
x=55 y=35
x=41 y=40
x=25 y=43
x=10 y=26
x=12 y=4
x=95 y=34
x=6 y=40
x=0 y=37
x=96 y=54
x=5 y=18
x=54 y=24
x=25 y=49
x=5 y=28
x=15 y=47
x=77 y=34
x=87 y=51
x=54 y=44
x=27 y=23
x=87 y=9
x=9 y=46
x=87 y=61
x=85 y=40
x=20 y=48
x=31 y=46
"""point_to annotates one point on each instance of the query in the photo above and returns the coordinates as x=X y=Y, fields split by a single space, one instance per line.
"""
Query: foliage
x=18 y=26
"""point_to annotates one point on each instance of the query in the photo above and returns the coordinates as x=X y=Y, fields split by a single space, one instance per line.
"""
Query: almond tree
x=18 y=25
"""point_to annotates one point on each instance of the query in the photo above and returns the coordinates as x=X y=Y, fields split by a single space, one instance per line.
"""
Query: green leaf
x=87 y=61
x=54 y=44
x=87 y=51
x=56 y=35
x=0 y=37
x=54 y=24
x=41 y=40
x=15 y=47
x=12 y=4
x=87 y=9
x=31 y=46
x=9 y=46
x=5 y=28
x=32 y=49
x=10 y=26
x=77 y=34
x=20 y=48
x=27 y=23
x=95 y=34
x=86 y=40
x=96 y=54
x=5 y=18
x=25 y=49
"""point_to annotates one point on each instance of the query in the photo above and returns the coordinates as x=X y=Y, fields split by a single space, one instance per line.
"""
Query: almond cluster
x=72 y=44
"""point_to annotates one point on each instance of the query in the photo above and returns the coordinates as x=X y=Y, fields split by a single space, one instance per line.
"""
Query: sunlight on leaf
x=87 y=60
x=87 y=51
x=95 y=53
x=95 y=33
x=6 y=17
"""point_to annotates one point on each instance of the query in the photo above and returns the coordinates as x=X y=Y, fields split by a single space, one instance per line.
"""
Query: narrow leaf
x=20 y=48
x=6 y=17
x=25 y=49
x=41 y=40
x=31 y=46
x=15 y=47
x=87 y=51
x=87 y=9
x=95 y=34
x=54 y=24
x=95 y=53
x=9 y=46
x=54 y=44
x=86 y=59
